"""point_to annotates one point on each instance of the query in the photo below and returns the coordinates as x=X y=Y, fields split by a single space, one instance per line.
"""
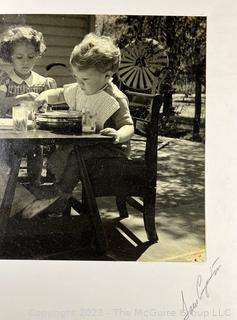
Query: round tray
x=59 y=115
x=60 y=121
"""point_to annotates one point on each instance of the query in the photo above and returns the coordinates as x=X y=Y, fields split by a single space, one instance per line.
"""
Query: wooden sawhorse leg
x=90 y=202
x=8 y=197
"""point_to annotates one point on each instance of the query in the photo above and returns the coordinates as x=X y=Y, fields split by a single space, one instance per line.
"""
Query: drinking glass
x=20 y=118
x=88 y=121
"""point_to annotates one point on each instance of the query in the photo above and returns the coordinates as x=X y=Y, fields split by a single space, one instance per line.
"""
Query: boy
x=93 y=62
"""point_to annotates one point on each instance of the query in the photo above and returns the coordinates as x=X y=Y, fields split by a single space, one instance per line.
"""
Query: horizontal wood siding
x=61 y=33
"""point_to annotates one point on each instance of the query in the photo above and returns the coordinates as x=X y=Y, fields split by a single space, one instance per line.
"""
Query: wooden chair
x=143 y=67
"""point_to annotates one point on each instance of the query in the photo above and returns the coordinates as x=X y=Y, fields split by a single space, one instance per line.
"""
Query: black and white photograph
x=117 y=160
x=103 y=137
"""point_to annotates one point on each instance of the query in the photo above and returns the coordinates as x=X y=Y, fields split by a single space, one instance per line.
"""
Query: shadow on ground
x=180 y=216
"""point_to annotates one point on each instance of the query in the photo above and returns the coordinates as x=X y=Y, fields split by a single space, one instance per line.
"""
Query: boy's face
x=91 y=80
x=24 y=58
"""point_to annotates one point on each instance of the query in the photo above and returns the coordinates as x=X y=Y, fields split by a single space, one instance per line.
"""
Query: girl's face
x=91 y=80
x=24 y=58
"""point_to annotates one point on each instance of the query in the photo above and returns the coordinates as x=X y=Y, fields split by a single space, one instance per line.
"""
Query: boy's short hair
x=98 y=52
x=17 y=34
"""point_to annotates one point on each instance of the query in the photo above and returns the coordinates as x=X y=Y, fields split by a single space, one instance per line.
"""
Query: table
x=19 y=138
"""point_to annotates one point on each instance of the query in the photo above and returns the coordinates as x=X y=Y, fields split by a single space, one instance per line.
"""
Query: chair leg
x=149 y=215
x=98 y=239
x=67 y=210
x=122 y=208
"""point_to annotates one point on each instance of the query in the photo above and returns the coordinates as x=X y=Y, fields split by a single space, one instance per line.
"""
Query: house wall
x=61 y=33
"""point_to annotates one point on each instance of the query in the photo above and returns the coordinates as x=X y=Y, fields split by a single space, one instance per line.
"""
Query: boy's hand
x=43 y=108
x=41 y=99
x=111 y=132
x=41 y=102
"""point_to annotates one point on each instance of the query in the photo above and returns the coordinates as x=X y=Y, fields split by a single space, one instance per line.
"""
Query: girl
x=22 y=46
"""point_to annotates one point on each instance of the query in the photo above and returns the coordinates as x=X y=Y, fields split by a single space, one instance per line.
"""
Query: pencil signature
x=201 y=290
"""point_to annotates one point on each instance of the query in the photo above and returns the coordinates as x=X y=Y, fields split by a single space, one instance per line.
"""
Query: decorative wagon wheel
x=142 y=63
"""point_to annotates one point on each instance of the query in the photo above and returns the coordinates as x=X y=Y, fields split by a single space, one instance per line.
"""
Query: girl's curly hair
x=17 y=34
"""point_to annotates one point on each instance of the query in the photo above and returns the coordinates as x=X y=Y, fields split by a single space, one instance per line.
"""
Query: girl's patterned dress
x=13 y=85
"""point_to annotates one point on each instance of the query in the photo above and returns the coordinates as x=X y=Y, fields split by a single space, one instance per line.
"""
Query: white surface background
x=109 y=290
